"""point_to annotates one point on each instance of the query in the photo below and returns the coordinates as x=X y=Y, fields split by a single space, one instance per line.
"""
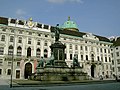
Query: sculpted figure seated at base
x=41 y=62
x=50 y=60
x=75 y=61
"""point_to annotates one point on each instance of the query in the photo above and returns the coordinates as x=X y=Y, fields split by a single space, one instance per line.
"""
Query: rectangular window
x=11 y=38
x=9 y=63
x=46 y=26
x=86 y=48
x=107 y=67
x=86 y=57
x=117 y=54
x=65 y=56
x=38 y=42
x=20 y=32
x=0 y=71
x=101 y=50
x=45 y=43
x=76 y=47
x=30 y=33
x=9 y=72
x=98 y=58
x=18 y=64
x=105 y=59
x=19 y=52
x=1 y=62
x=101 y=58
x=3 y=38
x=29 y=40
x=118 y=61
x=1 y=50
x=70 y=56
x=118 y=69
x=113 y=69
x=112 y=62
x=4 y=30
x=81 y=48
x=70 y=46
x=104 y=50
x=108 y=51
x=97 y=49
x=12 y=31
x=112 y=54
x=20 y=40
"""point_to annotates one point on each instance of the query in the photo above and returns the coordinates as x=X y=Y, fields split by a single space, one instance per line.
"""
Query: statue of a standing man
x=57 y=33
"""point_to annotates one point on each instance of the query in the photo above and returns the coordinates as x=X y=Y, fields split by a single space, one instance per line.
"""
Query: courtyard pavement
x=25 y=82
x=29 y=83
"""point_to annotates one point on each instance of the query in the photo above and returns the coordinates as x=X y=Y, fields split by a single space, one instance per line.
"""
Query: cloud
x=20 y=13
x=64 y=1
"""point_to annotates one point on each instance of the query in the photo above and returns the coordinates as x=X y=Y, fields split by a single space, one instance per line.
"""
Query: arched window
x=10 y=50
x=86 y=57
x=38 y=53
x=19 y=51
x=92 y=58
x=20 y=40
x=29 y=52
x=3 y=38
x=45 y=53
x=11 y=38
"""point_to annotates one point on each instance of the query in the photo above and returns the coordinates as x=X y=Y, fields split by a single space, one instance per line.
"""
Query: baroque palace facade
x=115 y=54
x=25 y=41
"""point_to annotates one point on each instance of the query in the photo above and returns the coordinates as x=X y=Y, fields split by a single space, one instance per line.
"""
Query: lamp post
x=12 y=58
x=12 y=63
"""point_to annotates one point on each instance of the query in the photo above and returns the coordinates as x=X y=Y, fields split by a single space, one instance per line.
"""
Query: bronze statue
x=75 y=61
x=50 y=60
x=57 y=33
x=41 y=62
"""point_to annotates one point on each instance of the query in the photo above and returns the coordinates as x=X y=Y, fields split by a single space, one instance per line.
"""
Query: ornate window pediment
x=90 y=36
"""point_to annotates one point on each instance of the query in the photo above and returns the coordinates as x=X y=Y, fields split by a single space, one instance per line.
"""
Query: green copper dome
x=70 y=25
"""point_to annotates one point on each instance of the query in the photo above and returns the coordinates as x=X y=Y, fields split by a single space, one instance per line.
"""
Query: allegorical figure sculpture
x=50 y=60
x=57 y=33
x=41 y=62
x=75 y=61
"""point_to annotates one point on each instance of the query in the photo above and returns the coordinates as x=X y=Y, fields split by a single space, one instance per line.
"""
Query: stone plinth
x=59 y=74
x=58 y=50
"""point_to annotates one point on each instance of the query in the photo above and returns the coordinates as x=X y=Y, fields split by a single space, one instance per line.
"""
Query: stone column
x=15 y=44
x=6 y=45
x=24 y=40
x=42 y=47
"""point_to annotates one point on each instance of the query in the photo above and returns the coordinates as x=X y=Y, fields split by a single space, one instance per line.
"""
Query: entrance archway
x=28 y=70
x=92 y=70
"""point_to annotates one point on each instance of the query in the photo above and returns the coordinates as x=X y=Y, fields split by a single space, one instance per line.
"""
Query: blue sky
x=100 y=17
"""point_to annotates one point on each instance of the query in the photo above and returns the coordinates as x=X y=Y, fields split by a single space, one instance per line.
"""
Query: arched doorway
x=92 y=70
x=28 y=70
x=29 y=52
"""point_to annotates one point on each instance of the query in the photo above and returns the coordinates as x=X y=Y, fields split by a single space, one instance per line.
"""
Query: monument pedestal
x=58 y=50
